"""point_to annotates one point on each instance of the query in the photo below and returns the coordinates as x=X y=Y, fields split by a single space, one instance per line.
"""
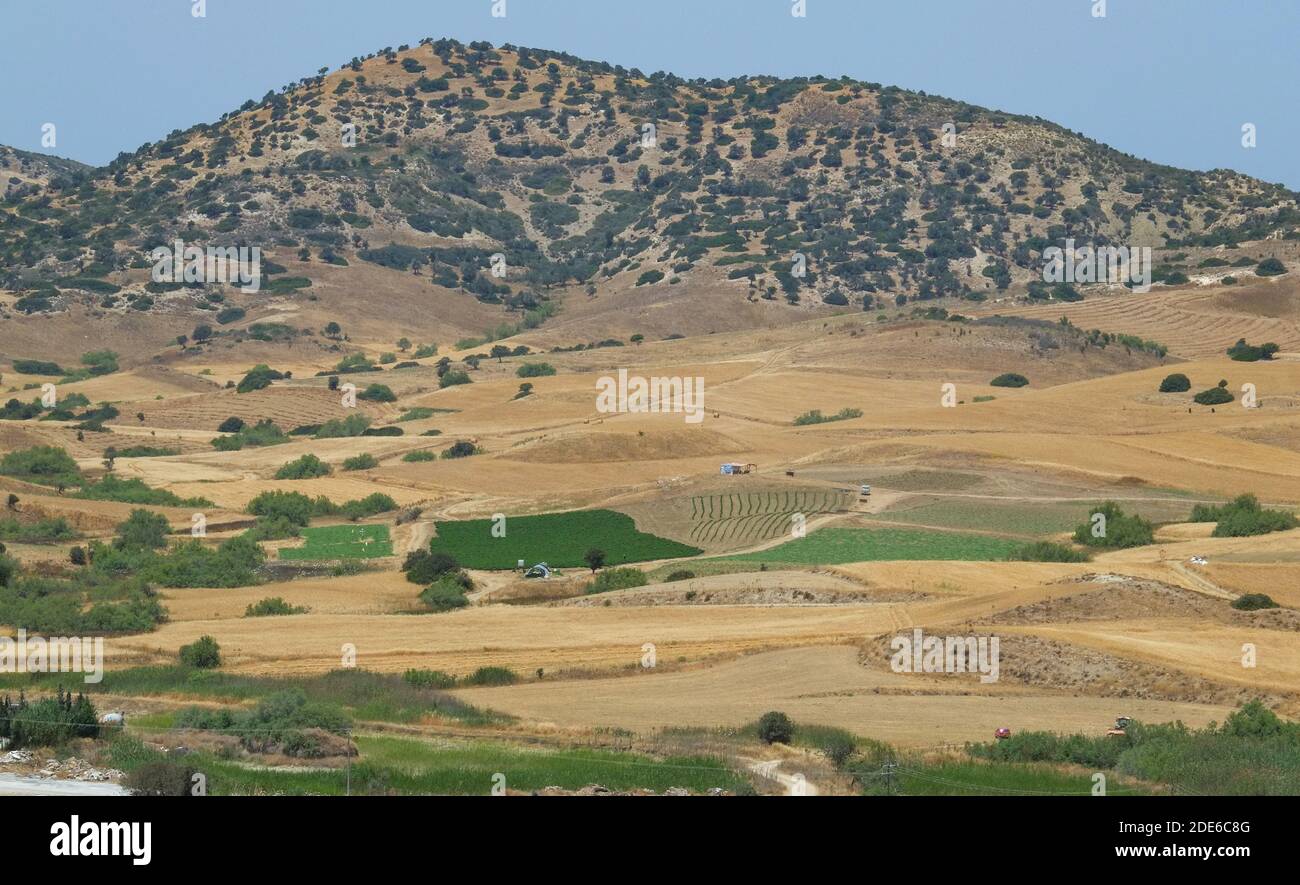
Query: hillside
x=24 y=174
x=463 y=152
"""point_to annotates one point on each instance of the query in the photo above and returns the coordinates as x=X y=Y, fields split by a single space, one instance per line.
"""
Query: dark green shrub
x=273 y=606
x=258 y=377
x=535 y=370
x=1251 y=602
x=1250 y=353
x=447 y=594
x=1117 y=529
x=775 y=728
x=161 y=778
x=492 y=676
x=460 y=449
x=617 y=579
x=429 y=679
x=47 y=722
x=1048 y=551
x=1175 y=383
x=306 y=467
x=838 y=747
x=1009 y=379
x=378 y=393
x=1243 y=517
x=1215 y=396
x=202 y=654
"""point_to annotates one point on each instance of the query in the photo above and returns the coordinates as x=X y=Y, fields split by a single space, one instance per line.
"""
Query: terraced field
x=750 y=517
x=1189 y=323
x=289 y=407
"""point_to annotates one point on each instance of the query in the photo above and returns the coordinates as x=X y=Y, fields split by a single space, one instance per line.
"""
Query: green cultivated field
x=559 y=539
x=1029 y=519
x=957 y=777
x=465 y=768
x=342 y=542
x=838 y=545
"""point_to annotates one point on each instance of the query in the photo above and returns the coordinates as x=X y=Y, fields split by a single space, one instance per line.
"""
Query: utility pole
x=888 y=771
x=348 y=787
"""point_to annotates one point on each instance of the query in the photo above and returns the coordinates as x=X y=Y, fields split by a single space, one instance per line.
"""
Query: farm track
x=1201 y=583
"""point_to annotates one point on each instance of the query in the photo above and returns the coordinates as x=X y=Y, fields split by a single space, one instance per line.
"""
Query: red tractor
x=1002 y=734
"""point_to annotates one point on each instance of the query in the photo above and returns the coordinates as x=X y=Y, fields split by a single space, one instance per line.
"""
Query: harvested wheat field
x=736 y=630
x=818 y=684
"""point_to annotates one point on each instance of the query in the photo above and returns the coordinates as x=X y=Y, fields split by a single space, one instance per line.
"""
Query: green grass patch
x=342 y=542
x=364 y=695
x=968 y=778
x=838 y=545
x=406 y=766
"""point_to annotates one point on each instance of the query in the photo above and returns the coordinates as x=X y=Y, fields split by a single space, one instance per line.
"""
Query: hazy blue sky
x=1169 y=80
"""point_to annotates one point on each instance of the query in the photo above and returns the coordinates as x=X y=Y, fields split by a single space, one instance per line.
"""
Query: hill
x=24 y=174
x=407 y=170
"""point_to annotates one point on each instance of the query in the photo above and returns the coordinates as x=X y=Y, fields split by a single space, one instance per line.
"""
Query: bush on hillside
x=1250 y=353
x=258 y=377
x=1048 y=551
x=378 y=393
x=1109 y=526
x=202 y=654
x=45 y=465
x=1215 y=396
x=446 y=594
x=775 y=728
x=423 y=567
x=1243 y=517
x=492 y=676
x=307 y=467
x=273 y=606
x=617 y=579
x=535 y=370
x=1009 y=379
x=365 y=461
x=1175 y=383
x=1251 y=602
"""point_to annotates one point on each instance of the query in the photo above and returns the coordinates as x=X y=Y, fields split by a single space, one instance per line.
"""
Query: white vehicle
x=1198 y=560
x=865 y=491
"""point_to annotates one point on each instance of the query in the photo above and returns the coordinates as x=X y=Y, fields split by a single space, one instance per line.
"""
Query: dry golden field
x=1141 y=632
